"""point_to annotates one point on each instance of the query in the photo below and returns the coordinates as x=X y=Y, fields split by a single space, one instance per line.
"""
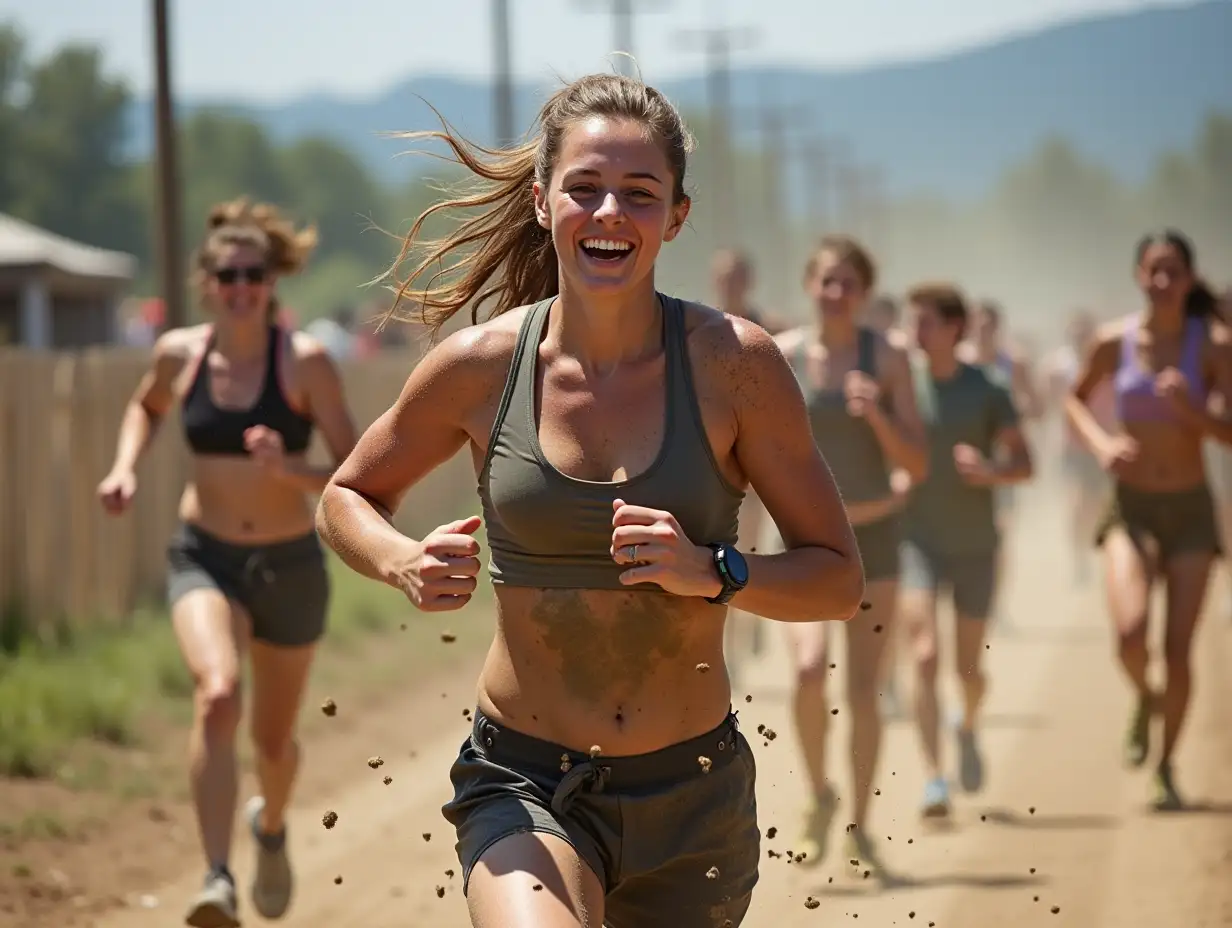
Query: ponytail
x=1201 y=303
x=500 y=254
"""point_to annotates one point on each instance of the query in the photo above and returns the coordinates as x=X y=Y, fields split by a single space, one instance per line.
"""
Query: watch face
x=737 y=567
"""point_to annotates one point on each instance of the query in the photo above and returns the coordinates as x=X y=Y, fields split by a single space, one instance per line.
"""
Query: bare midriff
x=1169 y=457
x=627 y=672
x=234 y=498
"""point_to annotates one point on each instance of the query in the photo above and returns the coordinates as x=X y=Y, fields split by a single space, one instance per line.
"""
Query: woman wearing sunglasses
x=247 y=574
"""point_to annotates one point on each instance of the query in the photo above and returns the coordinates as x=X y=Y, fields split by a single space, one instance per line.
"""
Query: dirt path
x=1060 y=824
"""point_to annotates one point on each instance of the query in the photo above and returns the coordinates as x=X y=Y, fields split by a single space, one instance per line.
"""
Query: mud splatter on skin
x=595 y=651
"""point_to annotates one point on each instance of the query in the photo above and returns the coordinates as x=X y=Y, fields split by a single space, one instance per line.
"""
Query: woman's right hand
x=116 y=491
x=1118 y=454
x=439 y=573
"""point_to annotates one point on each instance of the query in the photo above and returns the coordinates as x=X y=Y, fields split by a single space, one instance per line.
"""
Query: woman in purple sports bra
x=1164 y=364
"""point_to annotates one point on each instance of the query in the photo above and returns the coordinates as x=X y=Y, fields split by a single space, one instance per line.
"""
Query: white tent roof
x=24 y=245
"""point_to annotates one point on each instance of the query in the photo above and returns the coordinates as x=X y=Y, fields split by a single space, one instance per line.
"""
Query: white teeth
x=604 y=244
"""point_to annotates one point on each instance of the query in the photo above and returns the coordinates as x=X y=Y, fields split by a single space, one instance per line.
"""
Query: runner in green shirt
x=976 y=445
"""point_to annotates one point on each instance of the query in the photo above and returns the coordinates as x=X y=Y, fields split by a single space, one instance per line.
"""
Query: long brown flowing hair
x=502 y=253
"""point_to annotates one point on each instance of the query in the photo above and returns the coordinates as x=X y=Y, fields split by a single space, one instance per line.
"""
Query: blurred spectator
x=336 y=333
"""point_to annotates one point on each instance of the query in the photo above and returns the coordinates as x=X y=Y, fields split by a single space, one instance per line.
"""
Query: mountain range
x=1122 y=89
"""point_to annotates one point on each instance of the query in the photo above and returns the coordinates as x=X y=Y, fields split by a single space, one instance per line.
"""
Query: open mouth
x=607 y=250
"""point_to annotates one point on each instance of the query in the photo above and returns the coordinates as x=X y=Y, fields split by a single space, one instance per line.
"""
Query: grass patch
x=102 y=686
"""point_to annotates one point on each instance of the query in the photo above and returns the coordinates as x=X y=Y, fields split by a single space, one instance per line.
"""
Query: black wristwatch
x=733 y=571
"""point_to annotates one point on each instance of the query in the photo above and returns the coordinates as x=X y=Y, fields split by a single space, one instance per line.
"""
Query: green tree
x=69 y=175
x=12 y=65
x=329 y=186
x=224 y=156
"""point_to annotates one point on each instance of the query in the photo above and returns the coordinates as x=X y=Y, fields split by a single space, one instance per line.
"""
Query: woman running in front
x=1164 y=364
x=247 y=573
x=862 y=410
x=976 y=444
x=612 y=429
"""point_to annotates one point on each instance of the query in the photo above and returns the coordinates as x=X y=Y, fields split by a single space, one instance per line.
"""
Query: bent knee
x=812 y=670
x=218 y=702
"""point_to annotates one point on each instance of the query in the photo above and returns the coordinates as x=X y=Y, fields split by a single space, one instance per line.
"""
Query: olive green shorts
x=672 y=835
x=1176 y=522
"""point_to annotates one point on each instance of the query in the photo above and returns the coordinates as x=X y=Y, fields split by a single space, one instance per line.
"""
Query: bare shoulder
x=724 y=334
x=472 y=364
x=737 y=356
x=175 y=348
x=1220 y=334
x=1113 y=332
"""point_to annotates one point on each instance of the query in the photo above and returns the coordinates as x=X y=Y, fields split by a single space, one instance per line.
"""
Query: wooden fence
x=61 y=557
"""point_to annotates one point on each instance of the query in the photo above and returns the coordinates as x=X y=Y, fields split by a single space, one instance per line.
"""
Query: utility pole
x=717 y=44
x=817 y=162
x=502 y=78
x=622 y=13
x=774 y=122
x=170 y=255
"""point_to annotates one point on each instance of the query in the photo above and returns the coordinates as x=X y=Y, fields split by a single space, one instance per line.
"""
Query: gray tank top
x=549 y=530
x=846 y=442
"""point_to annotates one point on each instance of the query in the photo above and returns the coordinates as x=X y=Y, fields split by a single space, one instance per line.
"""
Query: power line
x=502 y=77
x=717 y=44
x=623 y=13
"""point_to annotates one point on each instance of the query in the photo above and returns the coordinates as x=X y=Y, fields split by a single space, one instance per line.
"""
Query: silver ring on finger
x=633 y=553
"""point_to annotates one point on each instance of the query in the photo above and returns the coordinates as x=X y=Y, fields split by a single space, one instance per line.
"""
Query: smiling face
x=608 y=205
x=239 y=285
x=836 y=286
x=1164 y=275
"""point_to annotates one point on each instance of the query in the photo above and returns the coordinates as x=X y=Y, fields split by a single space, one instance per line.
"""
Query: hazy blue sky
x=272 y=49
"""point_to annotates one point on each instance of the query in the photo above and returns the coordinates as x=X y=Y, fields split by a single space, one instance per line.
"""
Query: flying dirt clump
x=712 y=873
x=811 y=903
x=704 y=763
x=440 y=892
x=448 y=637
x=329 y=819
x=387 y=780
x=375 y=762
x=703 y=667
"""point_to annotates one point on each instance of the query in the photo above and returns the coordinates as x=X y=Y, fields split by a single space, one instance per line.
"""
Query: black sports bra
x=211 y=429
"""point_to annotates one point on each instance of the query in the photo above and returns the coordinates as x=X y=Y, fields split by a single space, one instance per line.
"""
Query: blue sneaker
x=936 y=799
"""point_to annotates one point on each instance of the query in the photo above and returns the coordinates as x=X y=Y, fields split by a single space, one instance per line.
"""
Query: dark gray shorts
x=879 y=543
x=284 y=586
x=970 y=578
x=650 y=826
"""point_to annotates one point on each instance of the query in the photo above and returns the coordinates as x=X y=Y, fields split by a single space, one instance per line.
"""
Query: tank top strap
x=1191 y=353
x=521 y=385
x=273 y=357
x=679 y=374
x=866 y=352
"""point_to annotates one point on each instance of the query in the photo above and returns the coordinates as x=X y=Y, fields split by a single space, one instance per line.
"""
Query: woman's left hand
x=265 y=446
x=653 y=540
